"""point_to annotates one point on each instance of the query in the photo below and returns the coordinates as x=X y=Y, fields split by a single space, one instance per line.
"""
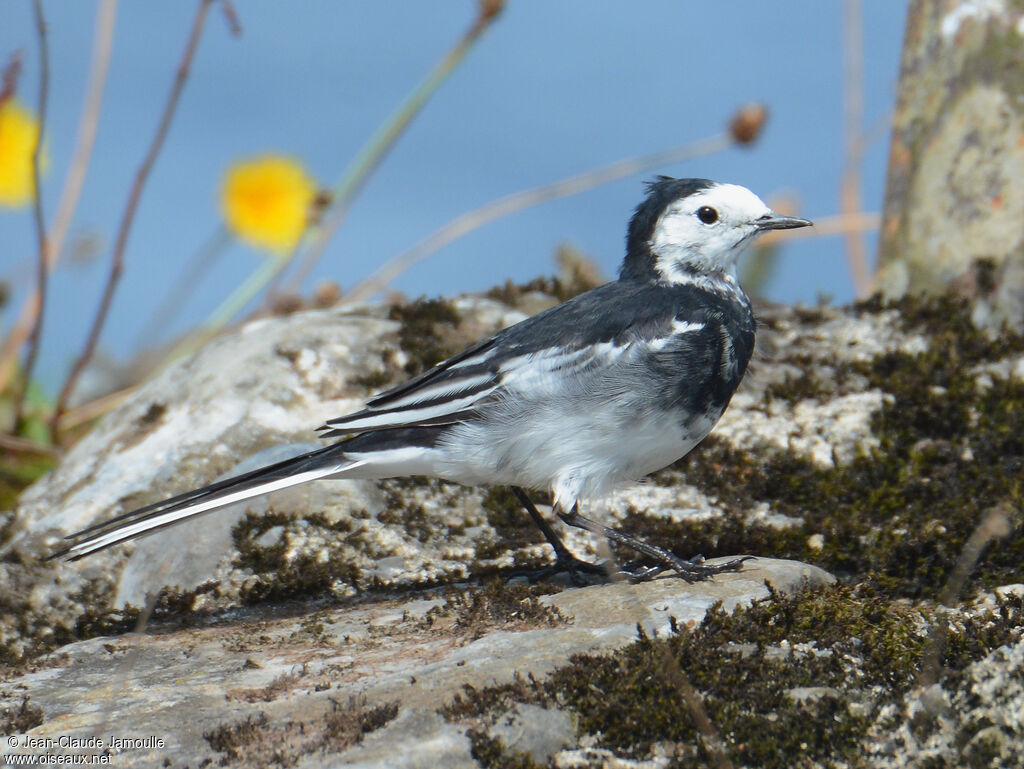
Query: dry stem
x=37 y=215
x=384 y=140
x=998 y=523
x=117 y=259
x=853 y=115
x=30 y=309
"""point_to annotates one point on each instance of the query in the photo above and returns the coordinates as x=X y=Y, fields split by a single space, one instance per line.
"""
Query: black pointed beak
x=775 y=221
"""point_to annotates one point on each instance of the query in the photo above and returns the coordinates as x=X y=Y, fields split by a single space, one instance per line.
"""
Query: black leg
x=564 y=560
x=691 y=571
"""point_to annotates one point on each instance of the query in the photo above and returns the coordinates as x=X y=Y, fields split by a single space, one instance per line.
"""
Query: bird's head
x=687 y=228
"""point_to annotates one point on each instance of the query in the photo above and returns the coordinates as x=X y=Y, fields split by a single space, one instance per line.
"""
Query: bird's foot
x=692 y=570
x=581 y=573
x=636 y=573
x=696 y=570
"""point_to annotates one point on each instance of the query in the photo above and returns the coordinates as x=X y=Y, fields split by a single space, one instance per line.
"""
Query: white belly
x=575 y=455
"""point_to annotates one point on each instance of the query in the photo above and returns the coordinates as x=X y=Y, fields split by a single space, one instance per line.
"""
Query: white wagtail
x=601 y=390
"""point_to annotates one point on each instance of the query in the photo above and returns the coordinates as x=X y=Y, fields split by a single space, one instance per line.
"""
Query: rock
x=601 y=758
x=418 y=738
x=660 y=603
x=979 y=721
x=273 y=681
x=337 y=619
x=152 y=565
x=195 y=422
x=538 y=732
x=802 y=694
x=247 y=398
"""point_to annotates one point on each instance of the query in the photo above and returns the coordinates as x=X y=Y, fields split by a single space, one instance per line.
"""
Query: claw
x=694 y=570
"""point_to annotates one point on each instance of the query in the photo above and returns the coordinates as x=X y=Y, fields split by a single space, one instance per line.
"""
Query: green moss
x=18 y=470
x=491 y=753
x=233 y=739
x=18 y=720
x=374 y=380
x=800 y=387
x=258 y=742
x=35 y=634
x=29 y=635
x=272 y=691
x=997 y=60
x=101 y=622
x=284 y=577
x=984 y=753
x=399 y=510
x=348 y=724
x=473 y=702
x=512 y=524
x=478 y=611
x=986 y=274
x=389 y=373
x=893 y=523
x=854 y=645
x=744 y=689
x=511 y=293
x=421 y=334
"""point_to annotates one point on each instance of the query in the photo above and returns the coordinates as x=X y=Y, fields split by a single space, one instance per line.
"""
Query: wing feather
x=594 y=328
x=456 y=395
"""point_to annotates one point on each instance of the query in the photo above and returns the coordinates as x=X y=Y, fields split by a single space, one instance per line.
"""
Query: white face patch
x=706 y=232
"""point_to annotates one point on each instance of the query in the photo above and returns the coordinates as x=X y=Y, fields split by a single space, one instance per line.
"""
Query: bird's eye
x=707 y=214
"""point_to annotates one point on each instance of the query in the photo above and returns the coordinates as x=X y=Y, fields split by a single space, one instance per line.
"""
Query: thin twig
x=117 y=259
x=238 y=298
x=79 y=415
x=103 y=44
x=26 y=446
x=37 y=215
x=671 y=671
x=998 y=523
x=669 y=668
x=517 y=201
x=853 y=115
x=231 y=18
x=9 y=78
x=103 y=37
x=374 y=152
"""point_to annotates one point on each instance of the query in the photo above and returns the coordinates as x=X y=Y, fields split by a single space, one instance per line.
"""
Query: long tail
x=305 y=467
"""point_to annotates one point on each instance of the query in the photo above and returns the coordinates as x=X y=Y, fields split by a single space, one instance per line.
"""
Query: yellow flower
x=19 y=131
x=266 y=201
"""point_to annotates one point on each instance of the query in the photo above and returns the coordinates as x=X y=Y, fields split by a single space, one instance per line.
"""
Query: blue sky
x=552 y=89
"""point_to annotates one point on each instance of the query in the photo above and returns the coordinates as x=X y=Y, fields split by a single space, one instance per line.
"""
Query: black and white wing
x=443 y=395
x=564 y=340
